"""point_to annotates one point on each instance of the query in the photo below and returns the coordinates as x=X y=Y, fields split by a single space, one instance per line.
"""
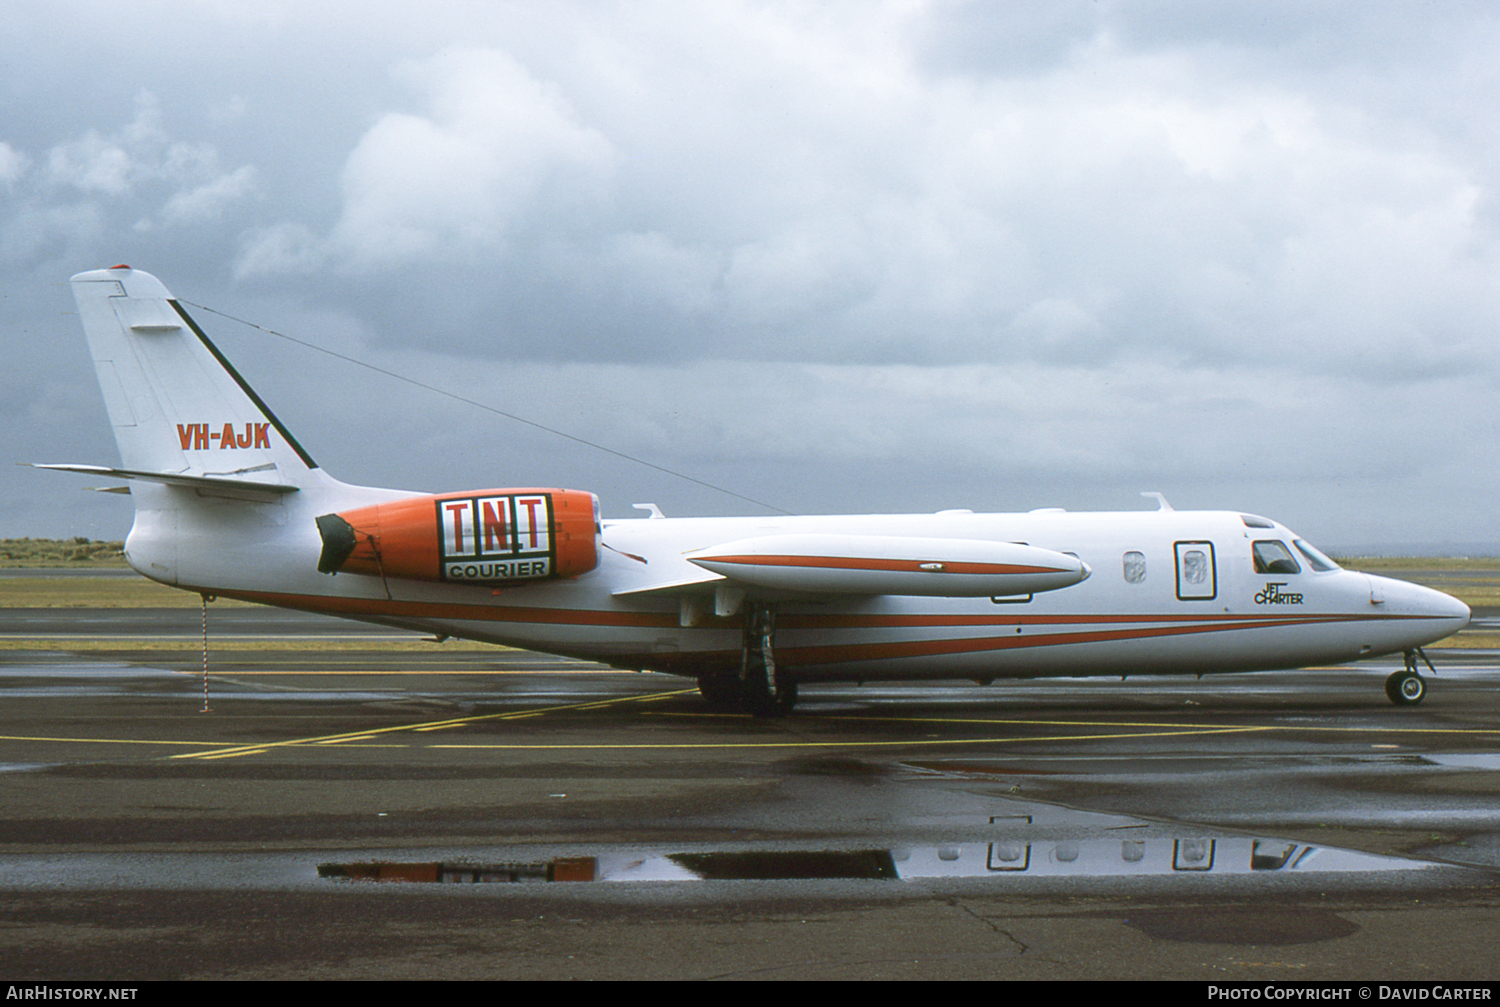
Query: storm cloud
x=834 y=257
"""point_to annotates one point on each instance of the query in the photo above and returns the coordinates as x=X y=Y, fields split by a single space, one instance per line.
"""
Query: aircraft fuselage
x=1168 y=592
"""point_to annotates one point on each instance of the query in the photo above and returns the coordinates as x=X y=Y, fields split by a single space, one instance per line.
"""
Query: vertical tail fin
x=178 y=406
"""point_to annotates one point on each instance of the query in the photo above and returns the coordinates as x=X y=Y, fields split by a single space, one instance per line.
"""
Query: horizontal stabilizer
x=884 y=564
x=208 y=482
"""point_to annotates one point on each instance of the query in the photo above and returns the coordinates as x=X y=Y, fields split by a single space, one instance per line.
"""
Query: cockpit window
x=1272 y=556
x=1315 y=559
x=1256 y=521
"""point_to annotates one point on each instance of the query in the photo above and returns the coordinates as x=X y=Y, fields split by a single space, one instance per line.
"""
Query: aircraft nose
x=1456 y=611
x=1440 y=614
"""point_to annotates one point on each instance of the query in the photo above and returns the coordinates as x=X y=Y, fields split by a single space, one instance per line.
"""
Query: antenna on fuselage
x=1161 y=501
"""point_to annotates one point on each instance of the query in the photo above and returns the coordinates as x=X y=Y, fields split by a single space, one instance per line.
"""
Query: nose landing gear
x=1406 y=687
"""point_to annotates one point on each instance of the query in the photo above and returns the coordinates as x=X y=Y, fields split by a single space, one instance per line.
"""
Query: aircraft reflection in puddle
x=1079 y=858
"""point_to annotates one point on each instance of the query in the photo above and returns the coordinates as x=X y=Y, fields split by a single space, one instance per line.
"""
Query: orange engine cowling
x=499 y=536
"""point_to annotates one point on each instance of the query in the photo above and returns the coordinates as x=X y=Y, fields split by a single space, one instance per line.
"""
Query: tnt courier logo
x=497 y=537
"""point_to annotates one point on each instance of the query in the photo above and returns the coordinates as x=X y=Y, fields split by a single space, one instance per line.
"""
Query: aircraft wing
x=701 y=582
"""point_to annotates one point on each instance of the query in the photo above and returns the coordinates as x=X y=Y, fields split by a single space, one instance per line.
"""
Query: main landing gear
x=760 y=688
x=1406 y=687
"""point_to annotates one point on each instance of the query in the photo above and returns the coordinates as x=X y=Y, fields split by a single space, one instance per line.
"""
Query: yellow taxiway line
x=367 y=735
x=1091 y=731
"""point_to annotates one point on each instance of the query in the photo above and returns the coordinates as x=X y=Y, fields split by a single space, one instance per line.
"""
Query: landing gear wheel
x=1406 y=688
x=722 y=692
x=786 y=694
x=760 y=701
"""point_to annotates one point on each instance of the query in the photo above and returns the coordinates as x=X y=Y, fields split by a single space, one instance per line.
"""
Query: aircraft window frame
x=1320 y=561
x=1184 y=551
x=1268 y=563
x=1133 y=566
x=1007 y=856
x=1194 y=854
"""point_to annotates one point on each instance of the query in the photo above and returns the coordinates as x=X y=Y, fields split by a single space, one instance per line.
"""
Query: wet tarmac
x=547 y=818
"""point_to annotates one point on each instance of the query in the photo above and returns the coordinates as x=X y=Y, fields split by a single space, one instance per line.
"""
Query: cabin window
x=1196 y=579
x=1272 y=556
x=1135 y=567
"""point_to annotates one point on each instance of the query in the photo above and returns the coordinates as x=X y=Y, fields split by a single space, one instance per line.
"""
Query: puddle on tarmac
x=1058 y=845
x=1465 y=760
x=1101 y=857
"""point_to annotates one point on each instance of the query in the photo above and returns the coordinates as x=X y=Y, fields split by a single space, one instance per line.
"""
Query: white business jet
x=228 y=503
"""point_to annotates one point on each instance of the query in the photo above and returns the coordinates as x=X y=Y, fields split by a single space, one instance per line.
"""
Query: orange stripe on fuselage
x=820 y=621
x=899 y=649
x=1111 y=627
x=455 y=611
x=469 y=611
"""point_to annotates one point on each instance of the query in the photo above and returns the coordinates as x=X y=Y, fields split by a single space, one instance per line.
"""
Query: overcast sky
x=836 y=257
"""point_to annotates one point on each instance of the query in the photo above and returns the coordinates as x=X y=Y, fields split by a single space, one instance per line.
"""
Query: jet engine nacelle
x=500 y=536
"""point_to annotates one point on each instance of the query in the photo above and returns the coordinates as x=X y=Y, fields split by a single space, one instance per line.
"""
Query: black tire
x=786 y=696
x=1406 y=688
x=760 y=701
x=722 y=692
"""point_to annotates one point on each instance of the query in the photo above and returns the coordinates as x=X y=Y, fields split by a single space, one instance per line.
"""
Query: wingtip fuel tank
x=892 y=564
